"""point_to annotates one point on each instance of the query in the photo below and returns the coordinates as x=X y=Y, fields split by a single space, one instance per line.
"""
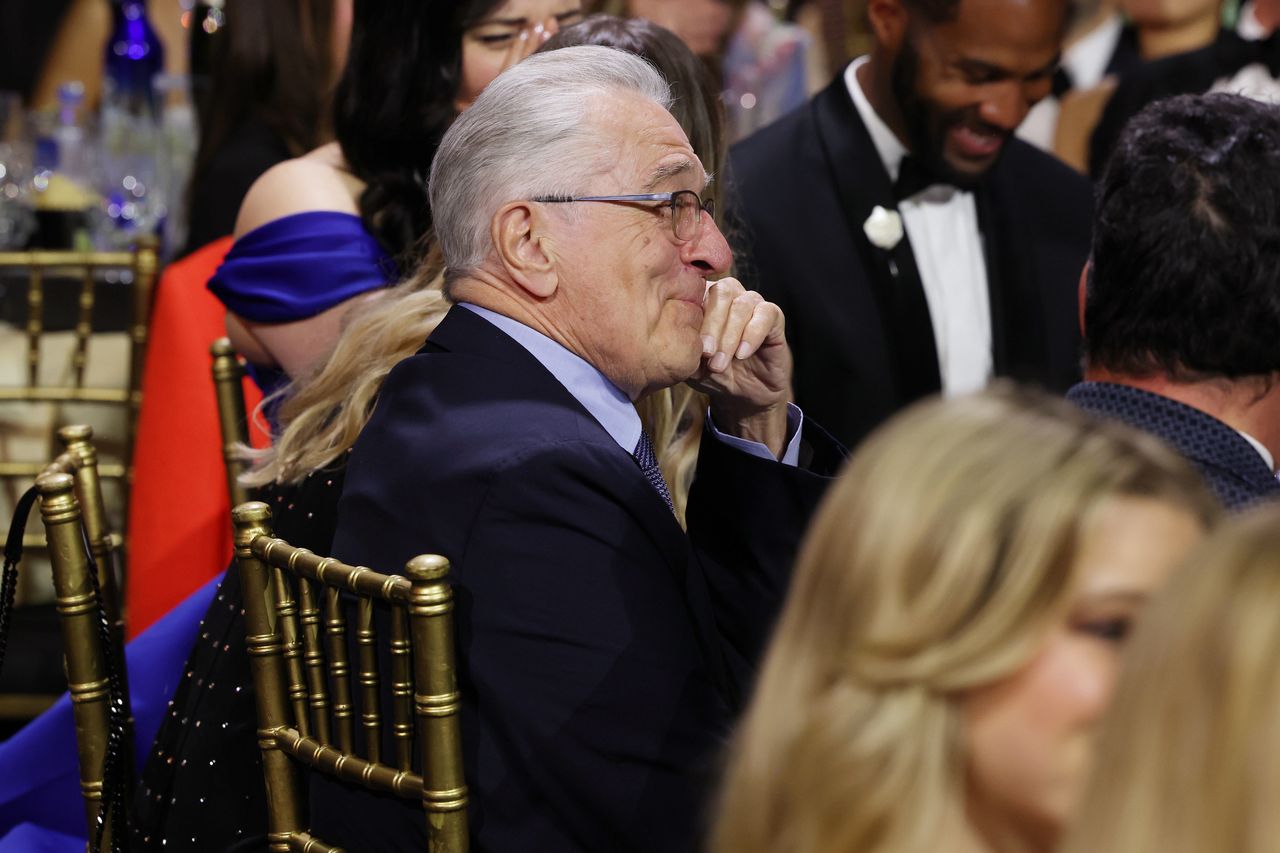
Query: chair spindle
x=313 y=660
x=291 y=647
x=335 y=625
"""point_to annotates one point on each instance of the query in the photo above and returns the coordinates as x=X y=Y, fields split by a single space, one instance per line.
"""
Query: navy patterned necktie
x=648 y=462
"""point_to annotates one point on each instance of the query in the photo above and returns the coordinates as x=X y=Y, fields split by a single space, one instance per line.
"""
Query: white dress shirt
x=942 y=223
x=1248 y=26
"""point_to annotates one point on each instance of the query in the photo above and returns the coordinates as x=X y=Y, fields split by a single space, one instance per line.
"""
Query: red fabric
x=179 y=516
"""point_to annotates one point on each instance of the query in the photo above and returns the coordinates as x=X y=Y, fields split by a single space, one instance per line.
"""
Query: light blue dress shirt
x=607 y=403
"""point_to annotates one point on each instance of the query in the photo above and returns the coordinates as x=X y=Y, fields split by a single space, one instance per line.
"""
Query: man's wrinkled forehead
x=644 y=143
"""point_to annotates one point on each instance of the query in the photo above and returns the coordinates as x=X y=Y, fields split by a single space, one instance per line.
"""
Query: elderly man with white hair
x=603 y=652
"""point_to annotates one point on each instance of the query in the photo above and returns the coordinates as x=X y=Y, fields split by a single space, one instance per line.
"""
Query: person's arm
x=747 y=517
x=77 y=53
x=1078 y=116
x=747 y=513
x=746 y=365
x=302 y=185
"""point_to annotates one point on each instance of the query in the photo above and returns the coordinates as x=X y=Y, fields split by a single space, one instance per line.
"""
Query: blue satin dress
x=296 y=267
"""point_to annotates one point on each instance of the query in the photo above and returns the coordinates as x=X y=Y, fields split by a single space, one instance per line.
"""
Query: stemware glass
x=17 y=219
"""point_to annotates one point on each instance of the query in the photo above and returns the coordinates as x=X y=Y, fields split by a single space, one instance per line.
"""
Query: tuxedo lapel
x=862 y=184
x=990 y=226
x=1017 y=310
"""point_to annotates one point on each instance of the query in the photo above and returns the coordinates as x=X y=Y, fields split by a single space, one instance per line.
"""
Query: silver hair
x=527 y=137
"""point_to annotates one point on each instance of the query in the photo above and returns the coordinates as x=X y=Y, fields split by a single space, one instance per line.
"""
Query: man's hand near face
x=746 y=364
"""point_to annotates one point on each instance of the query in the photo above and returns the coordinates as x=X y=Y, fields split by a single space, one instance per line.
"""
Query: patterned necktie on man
x=647 y=459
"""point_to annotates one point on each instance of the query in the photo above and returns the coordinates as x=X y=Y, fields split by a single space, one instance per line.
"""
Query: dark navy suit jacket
x=1231 y=465
x=603 y=652
x=857 y=317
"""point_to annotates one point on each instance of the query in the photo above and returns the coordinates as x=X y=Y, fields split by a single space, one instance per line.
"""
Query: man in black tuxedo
x=603 y=652
x=1182 y=301
x=912 y=243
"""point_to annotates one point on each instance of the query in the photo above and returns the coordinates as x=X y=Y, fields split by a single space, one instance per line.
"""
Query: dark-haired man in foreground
x=1182 y=303
x=912 y=242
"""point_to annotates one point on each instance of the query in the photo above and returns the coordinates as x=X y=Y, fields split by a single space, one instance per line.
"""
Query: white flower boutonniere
x=883 y=228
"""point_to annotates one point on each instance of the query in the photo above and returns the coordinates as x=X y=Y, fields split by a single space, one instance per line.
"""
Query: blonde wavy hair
x=934 y=566
x=1189 y=757
x=321 y=413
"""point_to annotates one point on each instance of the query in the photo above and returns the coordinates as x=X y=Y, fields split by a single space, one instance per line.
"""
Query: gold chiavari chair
x=289 y=638
x=92 y=641
x=79 y=460
x=228 y=376
x=41 y=268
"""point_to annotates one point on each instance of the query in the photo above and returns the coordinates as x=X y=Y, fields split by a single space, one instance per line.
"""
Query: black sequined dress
x=202 y=786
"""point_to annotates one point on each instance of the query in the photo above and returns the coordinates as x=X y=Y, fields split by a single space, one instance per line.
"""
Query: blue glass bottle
x=134 y=55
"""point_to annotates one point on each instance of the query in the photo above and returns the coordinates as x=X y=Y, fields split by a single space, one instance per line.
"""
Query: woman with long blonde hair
x=1190 y=754
x=948 y=640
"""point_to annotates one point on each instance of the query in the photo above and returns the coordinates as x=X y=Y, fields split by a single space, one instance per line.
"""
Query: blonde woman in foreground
x=951 y=633
x=1189 y=759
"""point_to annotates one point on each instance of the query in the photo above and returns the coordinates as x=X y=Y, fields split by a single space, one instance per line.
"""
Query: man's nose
x=1005 y=107
x=709 y=251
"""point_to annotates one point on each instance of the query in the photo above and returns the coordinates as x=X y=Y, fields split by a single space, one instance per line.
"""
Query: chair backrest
x=295 y=619
x=80 y=460
x=89 y=269
x=88 y=610
x=233 y=419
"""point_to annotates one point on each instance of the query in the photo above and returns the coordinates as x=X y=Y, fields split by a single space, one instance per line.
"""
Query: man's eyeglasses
x=686 y=208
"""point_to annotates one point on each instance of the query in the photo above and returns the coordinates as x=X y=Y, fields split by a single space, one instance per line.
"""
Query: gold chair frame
x=289 y=638
x=79 y=460
x=233 y=419
x=71 y=508
x=143 y=262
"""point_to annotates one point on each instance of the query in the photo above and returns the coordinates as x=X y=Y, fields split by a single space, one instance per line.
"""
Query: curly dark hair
x=1185 y=277
x=392 y=106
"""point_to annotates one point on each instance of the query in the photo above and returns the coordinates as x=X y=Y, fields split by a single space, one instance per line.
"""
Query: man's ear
x=524 y=247
x=889 y=21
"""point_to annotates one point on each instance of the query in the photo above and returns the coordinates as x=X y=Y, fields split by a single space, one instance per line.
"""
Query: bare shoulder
x=317 y=180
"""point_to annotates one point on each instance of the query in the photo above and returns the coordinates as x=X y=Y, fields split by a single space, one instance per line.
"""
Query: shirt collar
x=1247 y=25
x=1261 y=448
x=1086 y=60
x=890 y=149
x=605 y=401
x=888 y=146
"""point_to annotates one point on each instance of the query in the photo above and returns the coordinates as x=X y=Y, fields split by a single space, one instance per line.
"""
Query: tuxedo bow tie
x=913 y=177
x=1062 y=82
x=1234 y=53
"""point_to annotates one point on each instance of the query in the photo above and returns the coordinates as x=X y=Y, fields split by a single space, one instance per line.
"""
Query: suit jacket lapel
x=464 y=331
x=862 y=184
x=1017 y=348
x=990 y=224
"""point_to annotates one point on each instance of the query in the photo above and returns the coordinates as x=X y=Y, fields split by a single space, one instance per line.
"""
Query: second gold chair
x=296 y=617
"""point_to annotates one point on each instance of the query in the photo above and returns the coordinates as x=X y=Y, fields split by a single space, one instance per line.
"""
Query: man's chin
x=967 y=171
